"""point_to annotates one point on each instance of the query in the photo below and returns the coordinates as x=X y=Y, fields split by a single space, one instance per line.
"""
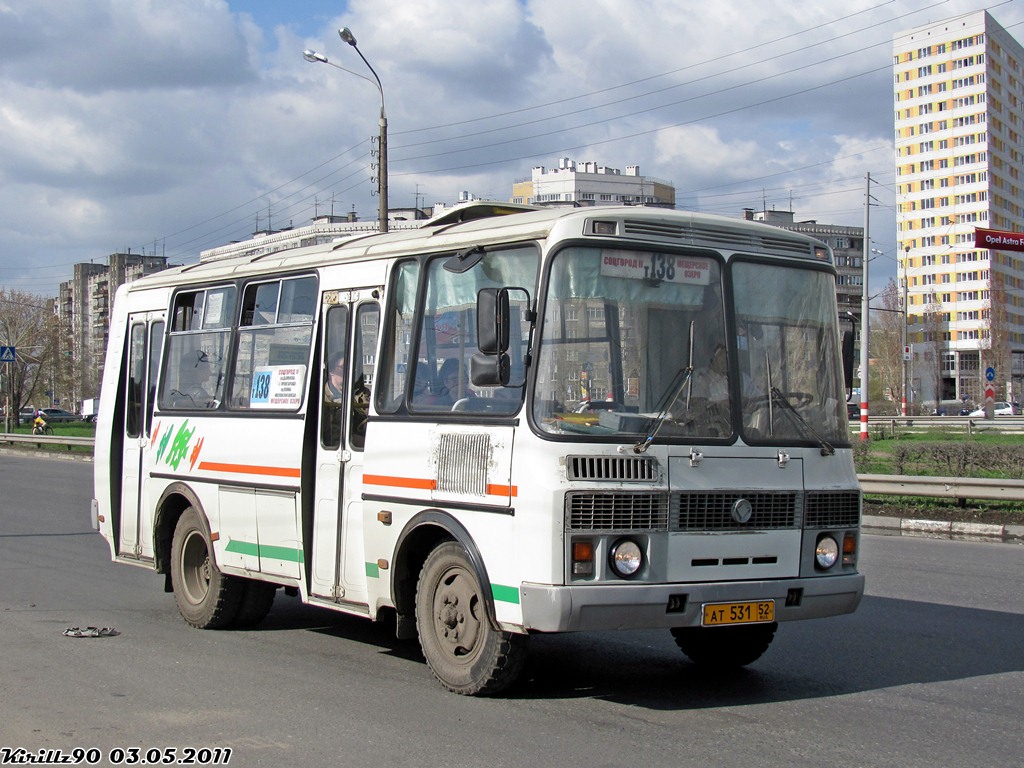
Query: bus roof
x=510 y=223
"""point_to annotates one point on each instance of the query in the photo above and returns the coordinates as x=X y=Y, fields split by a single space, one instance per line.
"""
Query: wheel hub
x=457 y=624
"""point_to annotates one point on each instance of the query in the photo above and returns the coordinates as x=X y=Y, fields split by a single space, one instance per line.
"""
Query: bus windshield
x=637 y=343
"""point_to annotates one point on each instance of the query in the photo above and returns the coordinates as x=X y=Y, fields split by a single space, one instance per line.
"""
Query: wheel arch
x=175 y=499
x=420 y=536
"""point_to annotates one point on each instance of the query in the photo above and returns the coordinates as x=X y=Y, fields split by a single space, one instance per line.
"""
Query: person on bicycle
x=39 y=424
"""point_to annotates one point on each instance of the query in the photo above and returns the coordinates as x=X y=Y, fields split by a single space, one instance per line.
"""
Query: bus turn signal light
x=849 y=549
x=583 y=558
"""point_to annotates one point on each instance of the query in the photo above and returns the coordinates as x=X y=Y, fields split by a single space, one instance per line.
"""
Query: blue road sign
x=7 y=354
x=990 y=373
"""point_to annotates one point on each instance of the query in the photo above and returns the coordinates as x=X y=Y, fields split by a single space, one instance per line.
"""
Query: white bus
x=503 y=423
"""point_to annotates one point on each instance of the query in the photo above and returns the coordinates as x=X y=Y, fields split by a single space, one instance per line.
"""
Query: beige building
x=959 y=97
x=589 y=183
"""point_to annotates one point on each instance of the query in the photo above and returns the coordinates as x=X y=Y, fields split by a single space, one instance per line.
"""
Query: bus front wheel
x=466 y=654
x=725 y=647
x=206 y=598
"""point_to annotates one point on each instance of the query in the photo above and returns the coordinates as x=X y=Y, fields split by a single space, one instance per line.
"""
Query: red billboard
x=995 y=240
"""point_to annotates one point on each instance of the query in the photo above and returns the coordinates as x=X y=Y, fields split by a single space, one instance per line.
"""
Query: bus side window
x=363 y=364
x=334 y=357
x=273 y=344
x=136 y=380
x=395 y=364
x=156 y=348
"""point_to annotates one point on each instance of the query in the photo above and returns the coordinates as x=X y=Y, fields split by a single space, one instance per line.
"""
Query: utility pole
x=865 y=310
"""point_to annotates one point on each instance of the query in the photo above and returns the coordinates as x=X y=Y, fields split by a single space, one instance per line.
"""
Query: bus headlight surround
x=826 y=553
x=626 y=558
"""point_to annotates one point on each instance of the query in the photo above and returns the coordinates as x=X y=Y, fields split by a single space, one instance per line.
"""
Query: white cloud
x=128 y=121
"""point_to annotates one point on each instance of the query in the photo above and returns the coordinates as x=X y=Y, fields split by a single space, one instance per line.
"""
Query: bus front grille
x=714 y=511
x=616 y=511
x=832 y=509
x=662 y=511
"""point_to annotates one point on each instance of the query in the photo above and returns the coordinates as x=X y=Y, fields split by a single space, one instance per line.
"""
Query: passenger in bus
x=708 y=401
x=454 y=381
x=334 y=385
x=335 y=402
x=712 y=381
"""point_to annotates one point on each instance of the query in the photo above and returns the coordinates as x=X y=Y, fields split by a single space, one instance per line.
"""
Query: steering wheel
x=795 y=398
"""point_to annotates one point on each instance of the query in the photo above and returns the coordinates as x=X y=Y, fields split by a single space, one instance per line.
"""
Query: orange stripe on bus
x=249 y=469
x=502 y=490
x=400 y=482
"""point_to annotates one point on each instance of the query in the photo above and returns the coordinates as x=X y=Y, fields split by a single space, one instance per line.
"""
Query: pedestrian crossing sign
x=7 y=354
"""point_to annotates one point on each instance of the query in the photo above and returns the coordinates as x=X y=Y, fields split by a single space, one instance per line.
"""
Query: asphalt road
x=929 y=671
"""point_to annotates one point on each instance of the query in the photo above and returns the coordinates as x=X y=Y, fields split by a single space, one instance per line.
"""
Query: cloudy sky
x=171 y=126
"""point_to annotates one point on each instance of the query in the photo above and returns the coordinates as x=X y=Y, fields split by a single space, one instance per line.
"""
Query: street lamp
x=382 y=171
x=906 y=354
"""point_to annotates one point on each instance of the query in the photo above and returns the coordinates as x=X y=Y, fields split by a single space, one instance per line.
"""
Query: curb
x=896 y=526
x=49 y=455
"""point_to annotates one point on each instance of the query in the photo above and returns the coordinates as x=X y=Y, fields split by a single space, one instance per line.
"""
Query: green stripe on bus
x=288 y=554
x=372 y=571
x=505 y=594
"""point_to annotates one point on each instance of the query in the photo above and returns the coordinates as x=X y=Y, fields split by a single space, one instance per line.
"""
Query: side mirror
x=492 y=321
x=490 y=370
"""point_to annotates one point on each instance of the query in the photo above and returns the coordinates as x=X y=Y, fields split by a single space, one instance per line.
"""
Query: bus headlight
x=626 y=558
x=826 y=553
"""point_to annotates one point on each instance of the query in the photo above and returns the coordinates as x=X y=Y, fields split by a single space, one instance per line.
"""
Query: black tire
x=206 y=598
x=725 y=647
x=257 y=599
x=466 y=654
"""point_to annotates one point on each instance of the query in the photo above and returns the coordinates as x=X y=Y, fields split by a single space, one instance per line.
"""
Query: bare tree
x=935 y=323
x=27 y=323
x=998 y=332
x=887 y=342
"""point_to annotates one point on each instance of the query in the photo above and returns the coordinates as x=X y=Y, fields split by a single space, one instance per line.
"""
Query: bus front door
x=350 y=325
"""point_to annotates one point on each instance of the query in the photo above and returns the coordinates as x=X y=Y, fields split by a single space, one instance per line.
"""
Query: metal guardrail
x=893 y=426
x=40 y=440
x=959 y=488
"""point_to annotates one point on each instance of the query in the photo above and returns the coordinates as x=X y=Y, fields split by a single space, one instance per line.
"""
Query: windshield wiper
x=803 y=426
x=675 y=388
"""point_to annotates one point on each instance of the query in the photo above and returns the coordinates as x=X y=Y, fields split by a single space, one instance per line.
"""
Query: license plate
x=722 y=614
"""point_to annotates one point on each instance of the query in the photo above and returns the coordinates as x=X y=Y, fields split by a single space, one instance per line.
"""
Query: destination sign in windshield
x=666 y=267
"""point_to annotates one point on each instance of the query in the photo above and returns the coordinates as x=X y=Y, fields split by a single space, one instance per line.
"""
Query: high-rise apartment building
x=959 y=118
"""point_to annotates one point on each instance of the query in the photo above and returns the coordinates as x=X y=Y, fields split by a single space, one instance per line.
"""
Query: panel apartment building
x=84 y=307
x=959 y=119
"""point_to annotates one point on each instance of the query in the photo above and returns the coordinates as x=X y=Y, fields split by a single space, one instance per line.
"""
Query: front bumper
x=548 y=608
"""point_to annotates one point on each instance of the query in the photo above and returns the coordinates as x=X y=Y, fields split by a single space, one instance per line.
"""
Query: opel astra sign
x=995 y=240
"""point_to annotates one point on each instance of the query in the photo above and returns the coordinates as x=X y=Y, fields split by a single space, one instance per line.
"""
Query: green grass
x=65 y=429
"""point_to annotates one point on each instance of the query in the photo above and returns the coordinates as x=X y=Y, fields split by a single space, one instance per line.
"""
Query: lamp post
x=382 y=171
x=906 y=354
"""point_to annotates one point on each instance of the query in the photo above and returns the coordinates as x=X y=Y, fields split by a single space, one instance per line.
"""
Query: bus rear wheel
x=464 y=651
x=725 y=647
x=206 y=598
x=257 y=600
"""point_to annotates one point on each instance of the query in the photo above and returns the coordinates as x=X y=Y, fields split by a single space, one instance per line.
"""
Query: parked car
x=26 y=415
x=57 y=415
x=853 y=411
x=998 y=409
